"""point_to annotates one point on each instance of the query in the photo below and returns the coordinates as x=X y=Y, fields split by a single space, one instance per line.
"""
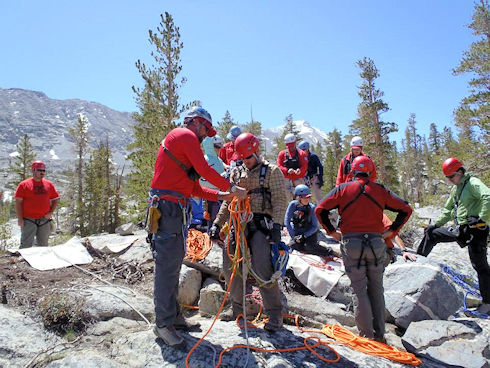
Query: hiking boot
x=274 y=324
x=183 y=324
x=484 y=308
x=169 y=336
x=380 y=339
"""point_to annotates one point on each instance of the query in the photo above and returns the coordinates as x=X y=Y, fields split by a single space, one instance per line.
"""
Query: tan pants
x=316 y=190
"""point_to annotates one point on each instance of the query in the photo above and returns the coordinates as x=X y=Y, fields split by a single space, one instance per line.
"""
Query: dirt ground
x=22 y=285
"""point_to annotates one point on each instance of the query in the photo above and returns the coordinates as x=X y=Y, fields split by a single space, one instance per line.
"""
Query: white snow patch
x=54 y=156
x=14 y=154
x=16 y=112
x=7 y=196
x=13 y=103
x=124 y=130
x=57 y=116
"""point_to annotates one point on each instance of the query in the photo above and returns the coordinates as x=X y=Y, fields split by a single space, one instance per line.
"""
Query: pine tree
x=158 y=104
x=225 y=125
x=434 y=139
x=474 y=111
x=21 y=166
x=80 y=136
x=369 y=125
x=289 y=127
x=333 y=155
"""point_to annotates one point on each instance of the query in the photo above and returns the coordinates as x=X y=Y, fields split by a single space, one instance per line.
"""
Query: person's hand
x=290 y=171
x=225 y=196
x=337 y=235
x=387 y=234
x=473 y=221
x=409 y=256
x=48 y=215
x=297 y=171
x=276 y=233
x=20 y=222
x=298 y=238
x=240 y=192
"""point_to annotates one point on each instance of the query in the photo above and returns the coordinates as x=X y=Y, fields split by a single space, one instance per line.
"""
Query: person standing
x=265 y=185
x=227 y=153
x=314 y=173
x=469 y=206
x=302 y=225
x=36 y=199
x=179 y=164
x=361 y=203
x=344 y=173
x=293 y=164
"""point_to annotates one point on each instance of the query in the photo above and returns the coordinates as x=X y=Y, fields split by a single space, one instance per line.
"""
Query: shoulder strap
x=457 y=198
x=177 y=161
x=362 y=191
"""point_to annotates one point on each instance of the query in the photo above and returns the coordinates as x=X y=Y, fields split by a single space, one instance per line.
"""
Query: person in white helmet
x=344 y=174
x=293 y=164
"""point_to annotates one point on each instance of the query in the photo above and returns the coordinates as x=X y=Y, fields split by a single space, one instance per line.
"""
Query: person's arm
x=278 y=198
x=314 y=224
x=288 y=217
x=53 y=204
x=482 y=193
x=406 y=255
x=401 y=207
x=340 y=173
x=320 y=171
x=20 y=211
x=374 y=175
x=303 y=161
x=446 y=213
x=280 y=160
x=322 y=210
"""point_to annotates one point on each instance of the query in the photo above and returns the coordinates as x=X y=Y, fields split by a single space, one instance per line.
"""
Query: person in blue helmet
x=228 y=153
x=314 y=173
x=302 y=223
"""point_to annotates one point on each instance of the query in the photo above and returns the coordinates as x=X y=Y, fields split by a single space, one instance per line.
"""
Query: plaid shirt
x=249 y=179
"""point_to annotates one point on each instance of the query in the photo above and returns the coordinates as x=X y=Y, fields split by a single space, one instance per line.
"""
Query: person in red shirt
x=361 y=203
x=390 y=246
x=293 y=164
x=344 y=174
x=35 y=201
x=227 y=153
x=179 y=165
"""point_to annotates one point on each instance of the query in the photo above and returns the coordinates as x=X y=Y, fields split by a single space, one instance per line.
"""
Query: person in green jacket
x=469 y=206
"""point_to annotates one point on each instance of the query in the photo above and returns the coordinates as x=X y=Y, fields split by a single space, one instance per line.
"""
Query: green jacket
x=474 y=199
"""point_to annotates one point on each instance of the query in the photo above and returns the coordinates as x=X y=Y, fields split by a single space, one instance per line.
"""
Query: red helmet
x=451 y=165
x=362 y=164
x=38 y=165
x=246 y=144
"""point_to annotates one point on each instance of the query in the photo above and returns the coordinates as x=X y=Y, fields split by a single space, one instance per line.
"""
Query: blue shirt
x=312 y=221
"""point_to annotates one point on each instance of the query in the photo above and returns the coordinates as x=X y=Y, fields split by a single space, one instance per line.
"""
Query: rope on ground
x=198 y=245
x=471 y=286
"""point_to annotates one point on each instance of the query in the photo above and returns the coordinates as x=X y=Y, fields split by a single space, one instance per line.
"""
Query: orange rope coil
x=198 y=245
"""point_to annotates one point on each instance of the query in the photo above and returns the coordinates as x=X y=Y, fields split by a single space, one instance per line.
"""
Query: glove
x=214 y=232
x=276 y=233
x=474 y=220
x=299 y=238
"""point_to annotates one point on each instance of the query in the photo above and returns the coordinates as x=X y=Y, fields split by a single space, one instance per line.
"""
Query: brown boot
x=274 y=324
x=183 y=324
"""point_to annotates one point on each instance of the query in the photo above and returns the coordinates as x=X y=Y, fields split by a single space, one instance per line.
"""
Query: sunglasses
x=451 y=176
x=41 y=170
x=249 y=157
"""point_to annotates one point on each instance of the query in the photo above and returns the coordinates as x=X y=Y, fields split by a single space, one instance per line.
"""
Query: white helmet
x=217 y=140
x=356 y=142
x=289 y=138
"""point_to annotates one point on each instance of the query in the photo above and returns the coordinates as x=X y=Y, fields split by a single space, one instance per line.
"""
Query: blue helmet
x=302 y=190
x=198 y=111
x=234 y=132
x=304 y=145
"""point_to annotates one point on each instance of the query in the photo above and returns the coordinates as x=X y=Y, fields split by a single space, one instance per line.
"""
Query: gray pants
x=168 y=253
x=262 y=265
x=366 y=279
x=39 y=228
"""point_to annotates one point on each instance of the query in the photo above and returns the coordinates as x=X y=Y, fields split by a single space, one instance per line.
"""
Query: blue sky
x=278 y=57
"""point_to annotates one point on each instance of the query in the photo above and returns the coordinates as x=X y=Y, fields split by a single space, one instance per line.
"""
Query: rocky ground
x=108 y=323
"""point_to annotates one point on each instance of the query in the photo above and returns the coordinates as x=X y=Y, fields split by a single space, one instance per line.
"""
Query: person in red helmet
x=179 y=165
x=468 y=205
x=36 y=199
x=344 y=173
x=293 y=163
x=227 y=153
x=265 y=185
x=361 y=203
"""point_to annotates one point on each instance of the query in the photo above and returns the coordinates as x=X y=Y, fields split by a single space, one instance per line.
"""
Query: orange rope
x=198 y=245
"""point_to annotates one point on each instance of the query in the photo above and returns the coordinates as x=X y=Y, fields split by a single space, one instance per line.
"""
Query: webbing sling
x=456 y=200
x=362 y=191
x=262 y=190
x=190 y=171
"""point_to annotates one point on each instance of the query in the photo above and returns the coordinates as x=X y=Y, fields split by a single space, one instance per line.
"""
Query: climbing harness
x=262 y=190
x=471 y=287
x=292 y=162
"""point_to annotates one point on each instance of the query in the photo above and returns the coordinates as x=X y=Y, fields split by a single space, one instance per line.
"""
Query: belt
x=175 y=199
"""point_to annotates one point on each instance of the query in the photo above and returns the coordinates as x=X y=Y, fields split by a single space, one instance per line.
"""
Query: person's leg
x=351 y=252
x=375 y=269
x=236 y=290
x=438 y=235
x=477 y=250
x=262 y=265
x=312 y=247
x=42 y=233
x=316 y=189
x=28 y=231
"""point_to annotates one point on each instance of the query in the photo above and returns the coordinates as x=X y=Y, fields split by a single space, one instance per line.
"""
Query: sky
x=273 y=58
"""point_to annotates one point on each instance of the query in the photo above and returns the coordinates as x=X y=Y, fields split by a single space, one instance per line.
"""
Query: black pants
x=310 y=245
x=476 y=240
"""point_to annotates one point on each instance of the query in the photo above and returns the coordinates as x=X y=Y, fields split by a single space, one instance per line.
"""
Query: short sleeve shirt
x=36 y=197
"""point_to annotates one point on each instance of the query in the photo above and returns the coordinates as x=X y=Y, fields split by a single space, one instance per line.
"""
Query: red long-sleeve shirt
x=302 y=161
x=184 y=145
x=344 y=175
x=362 y=213
x=227 y=153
